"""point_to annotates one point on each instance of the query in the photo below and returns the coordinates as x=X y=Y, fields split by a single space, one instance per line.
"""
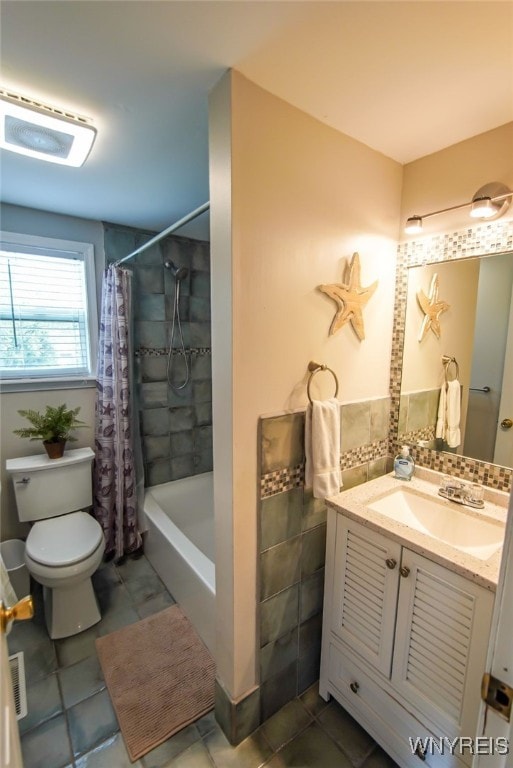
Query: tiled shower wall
x=292 y=535
x=176 y=425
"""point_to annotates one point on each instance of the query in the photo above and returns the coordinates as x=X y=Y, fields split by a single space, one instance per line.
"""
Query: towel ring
x=314 y=368
x=446 y=360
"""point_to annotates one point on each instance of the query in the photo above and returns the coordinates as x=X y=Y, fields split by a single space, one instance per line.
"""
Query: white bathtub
x=179 y=544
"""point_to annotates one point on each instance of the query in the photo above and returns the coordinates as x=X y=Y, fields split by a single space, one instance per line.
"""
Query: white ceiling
x=406 y=78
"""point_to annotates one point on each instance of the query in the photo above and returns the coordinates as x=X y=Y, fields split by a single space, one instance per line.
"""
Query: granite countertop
x=354 y=502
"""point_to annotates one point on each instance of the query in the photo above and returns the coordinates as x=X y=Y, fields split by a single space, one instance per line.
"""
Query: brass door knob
x=507 y=423
x=404 y=571
x=24 y=609
x=391 y=563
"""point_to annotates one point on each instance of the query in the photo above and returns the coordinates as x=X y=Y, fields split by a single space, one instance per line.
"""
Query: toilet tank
x=50 y=487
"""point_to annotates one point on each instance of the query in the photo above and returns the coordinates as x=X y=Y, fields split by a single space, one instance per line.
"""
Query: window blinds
x=43 y=315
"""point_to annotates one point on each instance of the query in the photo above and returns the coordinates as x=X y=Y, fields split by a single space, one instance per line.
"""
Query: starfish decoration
x=432 y=309
x=350 y=298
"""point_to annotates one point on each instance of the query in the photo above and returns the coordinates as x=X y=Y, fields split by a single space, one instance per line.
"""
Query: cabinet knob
x=391 y=563
x=507 y=423
x=404 y=571
x=354 y=686
x=419 y=752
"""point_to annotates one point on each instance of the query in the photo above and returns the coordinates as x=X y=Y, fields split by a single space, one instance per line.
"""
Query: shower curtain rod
x=180 y=223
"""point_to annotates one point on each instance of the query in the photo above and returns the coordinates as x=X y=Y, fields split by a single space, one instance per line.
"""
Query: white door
x=500 y=660
x=504 y=440
x=10 y=752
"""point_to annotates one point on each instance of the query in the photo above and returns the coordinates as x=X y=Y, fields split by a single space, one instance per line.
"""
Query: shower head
x=179 y=273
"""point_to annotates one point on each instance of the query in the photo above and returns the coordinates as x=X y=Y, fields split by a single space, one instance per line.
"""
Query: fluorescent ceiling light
x=37 y=130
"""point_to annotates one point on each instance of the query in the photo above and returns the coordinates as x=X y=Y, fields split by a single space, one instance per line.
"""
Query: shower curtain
x=115 y=480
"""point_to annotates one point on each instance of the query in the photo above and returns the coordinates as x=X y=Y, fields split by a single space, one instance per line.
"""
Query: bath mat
x=160 y=678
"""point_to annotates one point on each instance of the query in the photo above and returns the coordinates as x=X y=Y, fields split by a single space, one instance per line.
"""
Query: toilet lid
x=64 y=540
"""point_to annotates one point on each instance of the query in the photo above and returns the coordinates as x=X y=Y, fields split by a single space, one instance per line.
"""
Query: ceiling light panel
x=37 y=130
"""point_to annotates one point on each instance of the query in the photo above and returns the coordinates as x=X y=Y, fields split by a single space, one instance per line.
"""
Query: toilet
x=65 y=544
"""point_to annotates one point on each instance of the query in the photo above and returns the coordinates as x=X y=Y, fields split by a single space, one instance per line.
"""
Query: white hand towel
x=442 y=406
x=449 y=407
x=322 y=448
x=453 y=434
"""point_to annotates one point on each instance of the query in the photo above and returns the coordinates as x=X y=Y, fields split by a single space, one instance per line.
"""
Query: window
x=48 y=323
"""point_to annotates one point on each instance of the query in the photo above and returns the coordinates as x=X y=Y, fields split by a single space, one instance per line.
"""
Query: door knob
x=404 y=571
x=24 y=609
x=391 y=563
x=507 y=423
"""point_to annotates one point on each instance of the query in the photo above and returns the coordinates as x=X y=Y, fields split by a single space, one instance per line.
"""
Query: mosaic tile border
x=282 y=480
x=426 y=433
x=159 y=352
x=364 y=453
x=493 y=237
x=286 y=479
x=491 y=475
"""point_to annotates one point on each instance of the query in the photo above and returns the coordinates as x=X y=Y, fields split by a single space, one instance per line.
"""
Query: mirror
x=474 y=331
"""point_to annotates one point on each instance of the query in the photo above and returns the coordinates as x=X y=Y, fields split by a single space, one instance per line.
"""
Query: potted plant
x=53 y=427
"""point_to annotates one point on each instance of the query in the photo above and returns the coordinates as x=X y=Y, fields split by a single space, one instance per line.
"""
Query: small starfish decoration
x=350 y=298
x=432 y=309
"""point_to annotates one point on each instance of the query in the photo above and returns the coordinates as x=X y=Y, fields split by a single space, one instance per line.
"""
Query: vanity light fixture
x=489 y=202
x=482 y=208
x=32 y=128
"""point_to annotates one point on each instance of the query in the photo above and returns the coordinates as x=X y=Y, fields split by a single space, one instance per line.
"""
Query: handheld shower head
x=179 y=273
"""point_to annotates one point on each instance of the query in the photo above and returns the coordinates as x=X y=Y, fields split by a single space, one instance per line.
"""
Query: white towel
x=453 y=435
x=322 y=448
x=448 y=421
x=442 y=407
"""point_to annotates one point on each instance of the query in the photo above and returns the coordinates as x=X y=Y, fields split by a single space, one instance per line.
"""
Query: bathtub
x=179 y=543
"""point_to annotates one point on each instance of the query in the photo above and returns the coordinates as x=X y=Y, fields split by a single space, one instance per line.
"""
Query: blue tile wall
x=176 y=425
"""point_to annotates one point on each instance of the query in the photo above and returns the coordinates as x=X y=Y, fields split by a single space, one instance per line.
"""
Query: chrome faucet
x=468 y=494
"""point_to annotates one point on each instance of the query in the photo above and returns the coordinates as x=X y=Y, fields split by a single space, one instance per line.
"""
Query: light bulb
x=413 y=225
x=482 y=208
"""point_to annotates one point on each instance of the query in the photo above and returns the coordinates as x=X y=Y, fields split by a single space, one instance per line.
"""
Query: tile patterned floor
x=71 y=722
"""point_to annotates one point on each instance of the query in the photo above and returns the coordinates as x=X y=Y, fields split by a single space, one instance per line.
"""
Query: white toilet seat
x=65 y=576
x=67 y=540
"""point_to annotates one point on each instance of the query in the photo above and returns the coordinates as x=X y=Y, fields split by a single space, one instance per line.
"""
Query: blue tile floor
x=71 y=722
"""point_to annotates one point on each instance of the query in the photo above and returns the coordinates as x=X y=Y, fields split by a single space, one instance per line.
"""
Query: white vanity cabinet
x=404 y=641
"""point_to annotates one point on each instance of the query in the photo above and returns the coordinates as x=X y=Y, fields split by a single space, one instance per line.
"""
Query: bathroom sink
x=442 y=521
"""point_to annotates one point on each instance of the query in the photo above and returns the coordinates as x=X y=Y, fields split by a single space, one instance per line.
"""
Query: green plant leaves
x=52 y=426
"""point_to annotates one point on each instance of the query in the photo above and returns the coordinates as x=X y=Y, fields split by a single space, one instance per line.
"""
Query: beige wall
x=458 y=283
x=305 y=198
x=422 y=360
x=443 y=179
x=453 y=175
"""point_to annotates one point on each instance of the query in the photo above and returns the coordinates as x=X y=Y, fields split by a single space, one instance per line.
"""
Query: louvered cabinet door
x=365 y=592
x=441 y=640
